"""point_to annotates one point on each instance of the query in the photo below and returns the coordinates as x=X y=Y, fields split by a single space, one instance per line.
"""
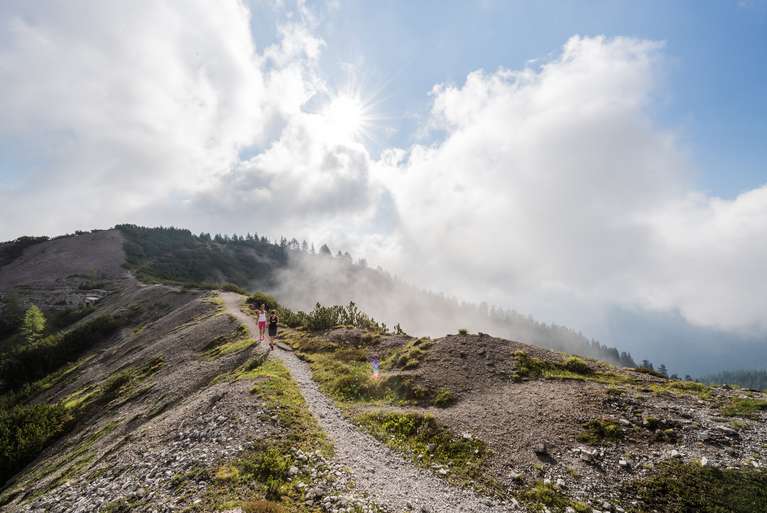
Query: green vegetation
x=598 y=431
x=679 y=487
x=177 y=256
x=577 y=365
x=261 y=298
x=751 y=379
x=408 y=356
x=274 y=385
x=544 y=497
x=25 y=430
x=230 y=347
x=36 y=360
x=10 y=251
x=747 y=407
x=33 y=325
x=461 y=459
x=263 y=470
x=463 y=331
x=443 y=398
x=674 y=387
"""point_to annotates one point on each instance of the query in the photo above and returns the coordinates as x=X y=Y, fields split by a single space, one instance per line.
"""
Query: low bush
x=231 y=287
x=598 y=431
x=32 y=362
x=262 y=298
x=443 y=398
x=430 y=444
x=577 y=365
x=744 y=407
x=25 y=430
x=679 y=487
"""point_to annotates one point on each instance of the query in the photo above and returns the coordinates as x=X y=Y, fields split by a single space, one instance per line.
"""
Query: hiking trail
x=384 y=475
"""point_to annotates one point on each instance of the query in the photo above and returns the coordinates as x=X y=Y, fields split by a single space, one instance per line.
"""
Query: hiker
x=273 y=320
x=261 y=322
x=375 y=363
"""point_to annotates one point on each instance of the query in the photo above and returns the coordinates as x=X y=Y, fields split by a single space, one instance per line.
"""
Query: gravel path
x=384 y=475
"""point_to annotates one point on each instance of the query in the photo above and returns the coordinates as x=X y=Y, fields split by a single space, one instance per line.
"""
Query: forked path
x=384 y=475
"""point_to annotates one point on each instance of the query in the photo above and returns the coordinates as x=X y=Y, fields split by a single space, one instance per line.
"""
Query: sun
x=346 y=117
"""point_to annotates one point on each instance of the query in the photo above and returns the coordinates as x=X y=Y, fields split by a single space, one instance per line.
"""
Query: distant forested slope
x=754 y=379
x=300 y=276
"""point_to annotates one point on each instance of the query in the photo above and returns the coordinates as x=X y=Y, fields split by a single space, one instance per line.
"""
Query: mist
x=309 y=279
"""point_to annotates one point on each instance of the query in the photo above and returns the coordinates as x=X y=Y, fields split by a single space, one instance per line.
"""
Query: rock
x=560 y=483
x=516 y=476
x=624 y=464
x=541 y=449
x=675 y=454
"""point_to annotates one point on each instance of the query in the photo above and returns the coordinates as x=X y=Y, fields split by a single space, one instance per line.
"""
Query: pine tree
x=33 y=325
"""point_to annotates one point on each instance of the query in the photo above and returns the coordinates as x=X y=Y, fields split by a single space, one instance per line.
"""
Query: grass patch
x=544 y=497
x=686 y=487
x=747 y=407
x=444 y=398
x=274 y=385
x=408 y=356
x=677 y=388
x=230 y=347
x=430 y=444
x=577 y=365
x=599 y=431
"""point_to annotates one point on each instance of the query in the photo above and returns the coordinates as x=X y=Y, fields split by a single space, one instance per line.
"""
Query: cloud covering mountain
x=553 y=188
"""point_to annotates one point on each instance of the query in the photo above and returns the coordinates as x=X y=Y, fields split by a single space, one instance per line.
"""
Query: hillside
x=299 y=277
x=155 y=397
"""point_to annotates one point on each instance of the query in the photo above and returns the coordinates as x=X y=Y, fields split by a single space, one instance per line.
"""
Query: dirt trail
x=384 y=475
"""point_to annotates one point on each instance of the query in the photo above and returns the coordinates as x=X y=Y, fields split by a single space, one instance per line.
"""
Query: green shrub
x=262 y=298
x=32 y=362
x=597 y=431
x=231 y=287
x=429 y=443
x=443 y=398
x=463 y=331
x=25 y=430
x=744 y=407
x=577 y=365
x=679 y=487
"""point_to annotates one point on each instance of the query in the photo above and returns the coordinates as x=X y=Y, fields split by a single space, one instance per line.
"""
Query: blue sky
x=715 y=82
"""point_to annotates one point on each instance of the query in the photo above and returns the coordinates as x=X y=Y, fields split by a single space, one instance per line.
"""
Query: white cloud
x=554 y=191
x=122 y=105
x=551 y=189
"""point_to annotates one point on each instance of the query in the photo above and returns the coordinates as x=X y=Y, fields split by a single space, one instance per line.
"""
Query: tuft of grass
x=230 y=347
x=274 y=385
x=408 y=356
x=227 y=473
x=747 y=407
x=543 y=497
x=679 y=487
x=598 y=431
x=463 y=331
x=431 y=445
x=577 y=365
x=444 y=398
x=677 y=388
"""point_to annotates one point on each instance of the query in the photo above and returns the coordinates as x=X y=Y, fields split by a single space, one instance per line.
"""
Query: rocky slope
x=179 y=409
